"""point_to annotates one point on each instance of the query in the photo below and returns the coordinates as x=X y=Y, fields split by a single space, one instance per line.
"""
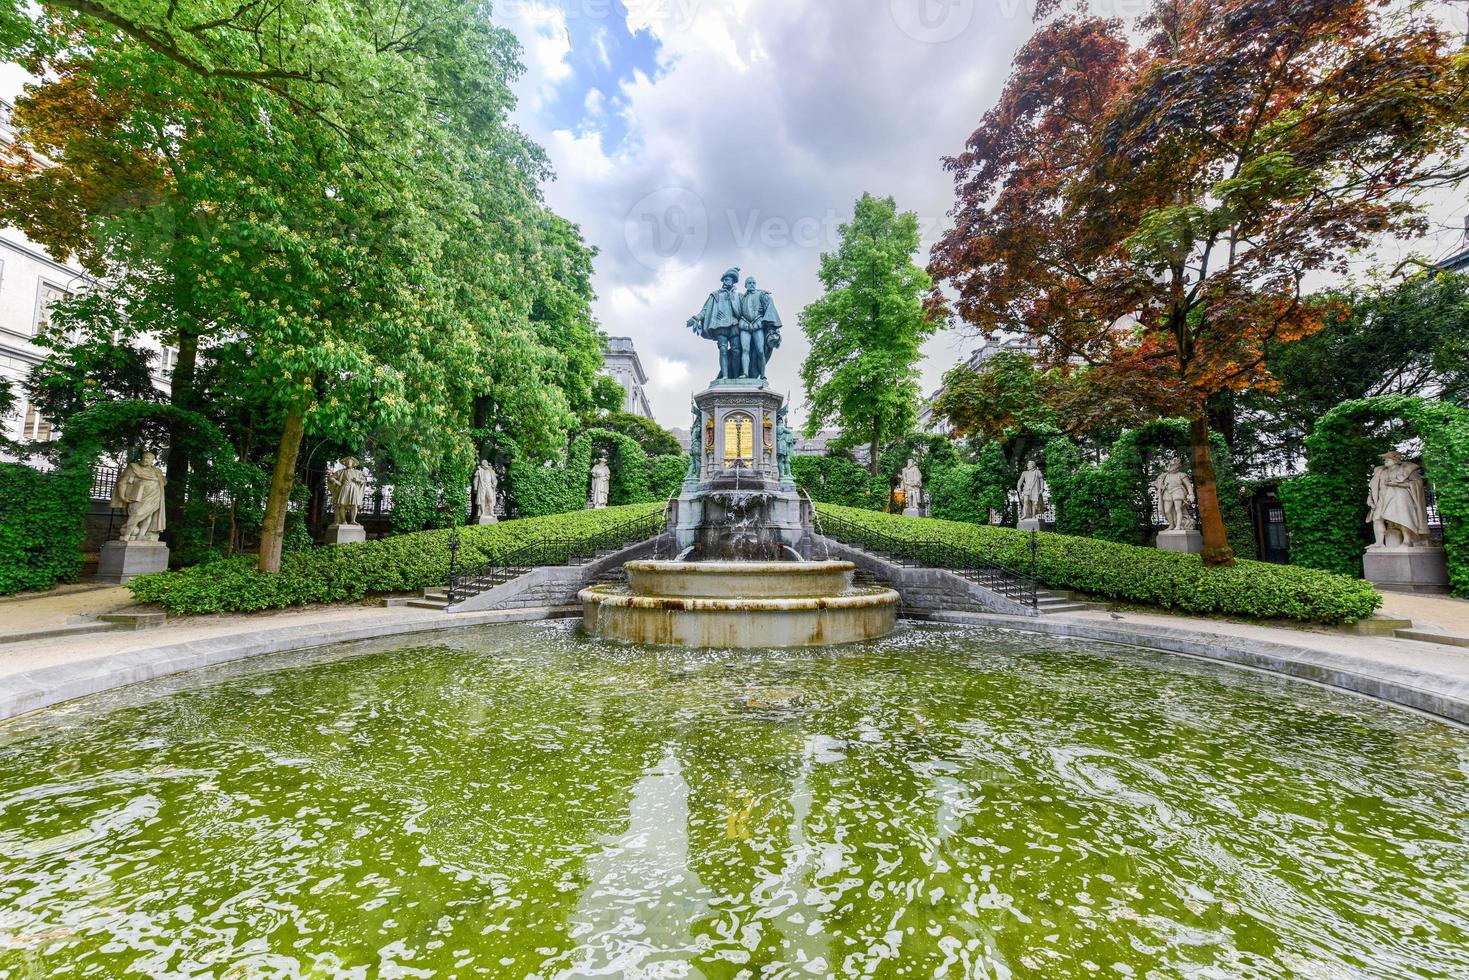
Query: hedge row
x=40 y=535
x=1144 y=575
x=347 y=573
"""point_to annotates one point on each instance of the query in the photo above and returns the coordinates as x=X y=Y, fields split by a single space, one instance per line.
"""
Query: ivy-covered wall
x=1326 y=507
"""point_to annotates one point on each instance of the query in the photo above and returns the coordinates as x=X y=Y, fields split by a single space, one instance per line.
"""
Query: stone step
x=1428 y=636
x=439 y=604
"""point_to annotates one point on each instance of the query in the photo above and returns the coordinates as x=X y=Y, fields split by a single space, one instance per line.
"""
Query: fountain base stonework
x=744 y=537
x=739 y=604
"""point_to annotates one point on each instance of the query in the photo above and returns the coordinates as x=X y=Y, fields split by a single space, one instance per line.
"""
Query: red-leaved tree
x=1145 y=200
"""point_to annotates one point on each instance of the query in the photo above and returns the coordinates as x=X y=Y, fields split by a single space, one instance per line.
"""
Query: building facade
x=620 y=361
x=31 y=282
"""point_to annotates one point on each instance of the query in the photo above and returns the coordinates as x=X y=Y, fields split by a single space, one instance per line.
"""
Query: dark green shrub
x=837 y=479
x=667 y=475
x=40 y=538
x=347 y=573
x=1145 y=575
x=537 y=489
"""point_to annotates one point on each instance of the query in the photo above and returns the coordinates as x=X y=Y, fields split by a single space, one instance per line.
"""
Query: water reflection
x=519 y=802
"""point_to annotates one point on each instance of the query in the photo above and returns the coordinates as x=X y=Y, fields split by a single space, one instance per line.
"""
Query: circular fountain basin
x=739 y=605
x=755 y=579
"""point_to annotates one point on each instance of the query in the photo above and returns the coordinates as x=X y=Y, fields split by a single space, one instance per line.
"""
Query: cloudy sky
x=689 y=136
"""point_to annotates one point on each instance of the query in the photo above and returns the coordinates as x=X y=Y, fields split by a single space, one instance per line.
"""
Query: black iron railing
x=933 y=553
x=547 y=550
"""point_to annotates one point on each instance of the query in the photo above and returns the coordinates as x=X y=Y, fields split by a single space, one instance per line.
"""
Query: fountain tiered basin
x=739 y=604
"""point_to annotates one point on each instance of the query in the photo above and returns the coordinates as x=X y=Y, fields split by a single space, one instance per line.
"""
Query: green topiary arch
x=1326 y=508
x=538 y=490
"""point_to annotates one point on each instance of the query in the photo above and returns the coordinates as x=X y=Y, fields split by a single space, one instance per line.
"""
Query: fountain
x=744 y=574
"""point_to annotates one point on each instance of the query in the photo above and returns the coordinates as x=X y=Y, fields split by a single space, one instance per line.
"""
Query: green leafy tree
x=655 y=440
x=1384 y=338
x=867 y=329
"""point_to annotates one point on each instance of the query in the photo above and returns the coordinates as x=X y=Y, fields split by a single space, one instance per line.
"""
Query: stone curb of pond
x=1432 y=693
x=32 y=690
x=1420 y=690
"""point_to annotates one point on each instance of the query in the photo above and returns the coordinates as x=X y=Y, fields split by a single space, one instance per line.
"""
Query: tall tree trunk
x=180 y=395
x=876 y=442
x=1206 y=487
x=282 y=480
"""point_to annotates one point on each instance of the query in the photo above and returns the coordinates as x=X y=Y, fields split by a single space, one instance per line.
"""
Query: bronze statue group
x=744 y=325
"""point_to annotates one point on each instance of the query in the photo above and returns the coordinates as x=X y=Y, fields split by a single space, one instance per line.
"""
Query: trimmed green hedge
x=40 y=537
x=346 y=573
x=838 y=479
x=1145 y=575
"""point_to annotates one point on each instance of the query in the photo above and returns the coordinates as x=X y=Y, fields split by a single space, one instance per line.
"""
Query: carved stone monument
x=485 y=487
x=1175 y=495
x=347 y=485
x=601 y=483
x=1402 y=557
x=739 y=499
x=911 y=483
x=137 y=550
x=1031 y=492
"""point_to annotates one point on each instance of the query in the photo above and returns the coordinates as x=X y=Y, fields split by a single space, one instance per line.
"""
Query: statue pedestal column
x=912 y=512
x=1423 y=569
x=1028 y=524
x=486 y=519
x=122 y=561
x=1185 y=542
x=345 y=534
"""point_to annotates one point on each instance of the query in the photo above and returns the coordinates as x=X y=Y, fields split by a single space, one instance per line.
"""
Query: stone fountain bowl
x=739 y=604
x=747 y=579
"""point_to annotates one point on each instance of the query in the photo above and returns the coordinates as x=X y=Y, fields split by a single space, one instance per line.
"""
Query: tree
x=1006 y=394
x=1152 y=210
x=1382 y=338
x=652 y=437
x=368 y=241
x=866 y=330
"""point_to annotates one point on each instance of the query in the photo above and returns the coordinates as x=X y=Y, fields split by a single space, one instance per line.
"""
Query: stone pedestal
x=739 y=507
x=486 y=519
x=912 y=512
x=346 y=534
x=1028 y=524
x=1185 y=542
x=1399 y=569
x=122 y=561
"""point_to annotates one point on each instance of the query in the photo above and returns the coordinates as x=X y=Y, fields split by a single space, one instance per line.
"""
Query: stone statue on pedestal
x=139 y=491
x=1399 y=504
x=911 y=484
x=1175 y=495
x=485 y=487
x=1402 y=557
x=601 y=483
x=348 y=487
x=785 y=445
x=137 y=550
x=1032 y=493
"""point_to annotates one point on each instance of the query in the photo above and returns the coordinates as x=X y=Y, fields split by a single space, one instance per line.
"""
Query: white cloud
x=546 y=45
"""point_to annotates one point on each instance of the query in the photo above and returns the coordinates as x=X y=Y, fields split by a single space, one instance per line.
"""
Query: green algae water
x=520 y=802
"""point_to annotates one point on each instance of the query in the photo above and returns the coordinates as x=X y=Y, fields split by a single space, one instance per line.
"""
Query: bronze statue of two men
x=744 y=325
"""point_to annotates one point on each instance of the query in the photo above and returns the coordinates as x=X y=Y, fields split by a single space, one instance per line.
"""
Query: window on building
x=35 y=428
x=167 y=358
x=48 y=296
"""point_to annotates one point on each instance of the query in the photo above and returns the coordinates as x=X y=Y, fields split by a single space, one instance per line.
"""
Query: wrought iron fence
x=544 y=551
x=933 y=553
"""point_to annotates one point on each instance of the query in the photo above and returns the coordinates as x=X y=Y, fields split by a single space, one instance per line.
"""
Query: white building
x=30 y=282
x=620 y=362
x=995 y=344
